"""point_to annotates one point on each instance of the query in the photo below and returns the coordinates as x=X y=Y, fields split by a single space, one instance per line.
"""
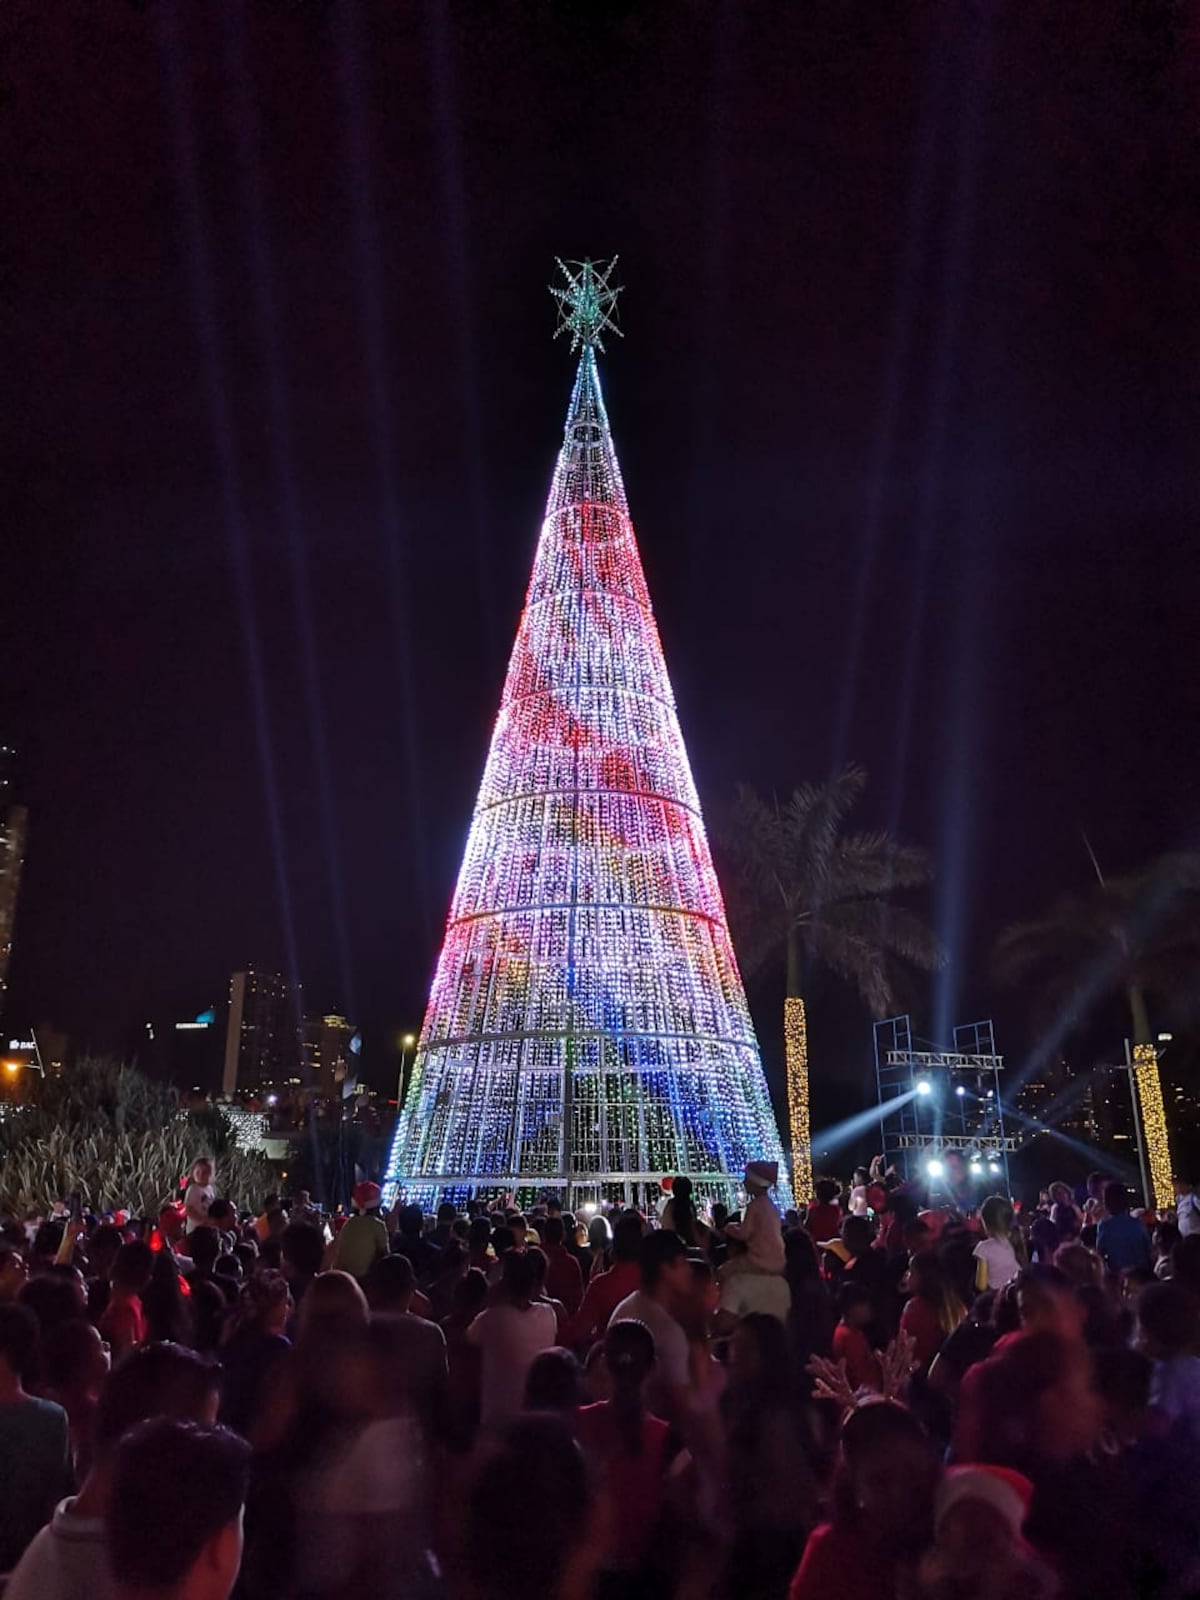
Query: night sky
x=907 y=412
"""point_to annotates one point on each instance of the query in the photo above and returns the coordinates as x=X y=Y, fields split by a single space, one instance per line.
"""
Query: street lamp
x=406 y=1044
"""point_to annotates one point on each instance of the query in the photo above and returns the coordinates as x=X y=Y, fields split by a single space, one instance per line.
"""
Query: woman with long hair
x=628 y=1449
x=933 y=1309
x=881 y=1515
x=679 y=1214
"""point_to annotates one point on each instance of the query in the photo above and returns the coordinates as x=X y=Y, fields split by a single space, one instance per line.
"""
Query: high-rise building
x=14 y=829
x=328 y=1050
x=587 y=1029
x=262 y=1035
x=188 y=1052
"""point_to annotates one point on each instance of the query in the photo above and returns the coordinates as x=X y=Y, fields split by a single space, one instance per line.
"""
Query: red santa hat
x=1008 y=1493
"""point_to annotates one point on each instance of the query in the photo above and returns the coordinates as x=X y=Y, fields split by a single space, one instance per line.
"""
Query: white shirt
x=1000 y=1259
x=744 y=1292
x=1187 y=1214
x=509 y=1339
x=65 y=1561
x=670 y=1341
x=200 y=1197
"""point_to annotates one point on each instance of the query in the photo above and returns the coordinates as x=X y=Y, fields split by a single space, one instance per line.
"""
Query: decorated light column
x=587 y=1029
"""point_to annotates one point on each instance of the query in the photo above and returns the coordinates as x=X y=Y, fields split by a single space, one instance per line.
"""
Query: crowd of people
x=872 y=1396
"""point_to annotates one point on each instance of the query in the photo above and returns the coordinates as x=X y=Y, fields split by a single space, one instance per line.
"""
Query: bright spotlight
x=960 y=1090
x=935 y=1169
x=994 y=1168
x=991 y=1094
x=924 y=1086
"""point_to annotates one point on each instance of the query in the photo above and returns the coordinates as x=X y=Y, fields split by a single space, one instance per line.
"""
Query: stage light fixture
x=960 y=1090
x=924 y=1086
x=935 y=1169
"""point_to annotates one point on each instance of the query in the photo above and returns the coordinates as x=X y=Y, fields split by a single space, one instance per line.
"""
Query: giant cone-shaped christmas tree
x=587 y=1030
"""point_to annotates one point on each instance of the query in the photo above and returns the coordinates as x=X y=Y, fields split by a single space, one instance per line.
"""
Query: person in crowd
x=562 y=1321
x=151 y=1550
x=302 y=1252
x=364 y=1238
x=1122 y=1241
x=679 y=1214
x=812 y=1318
x=256 y=1342
x=748 y=1293
x=479 y=1245
x=662 y=1295
x=302 y=1208
x=824 y=1217
x=419 y=1342
x=554 y=1554
x=856 y=1312
x=932 y=1311
x=199 y=1194
x=599 y=1244
x=881 y=1516
x=554 y=1381
x=68 y=1559
x=1169 y=1333
x=564 y=1280
x=123 y=1324
x=102 y=1250
x=629 y=1450
x=996 y=1260
x=509 y=1335
x=75 y=1364
x=452 y=1264
x=761 y=1230
x=606 y=1288
x=859 y=1206
x=463 y=1359
x=770 y=1491
x=409 y=1240
x=978 y=1548
x=35 y=1440
x=166 y=1303
x=1187 y=1206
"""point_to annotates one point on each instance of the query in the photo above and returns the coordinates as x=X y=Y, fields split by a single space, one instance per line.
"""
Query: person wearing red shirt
x=933 y=1310
x=124 y=1322
x=881 y=1516
x=850 y=1340
x=627 y=1446
x=564 y=1280
x=606 y=1290
x=824 y=1219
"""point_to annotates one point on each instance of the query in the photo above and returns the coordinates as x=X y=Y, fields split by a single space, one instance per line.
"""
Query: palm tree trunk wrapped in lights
x=795 y=1052
x=807 y=889
x=1154 y=1123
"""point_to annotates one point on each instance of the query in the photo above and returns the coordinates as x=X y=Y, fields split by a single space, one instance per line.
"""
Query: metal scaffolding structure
x=933 y=1102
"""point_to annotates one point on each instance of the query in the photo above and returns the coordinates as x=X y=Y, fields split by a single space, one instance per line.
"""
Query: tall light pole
x=406 y=1044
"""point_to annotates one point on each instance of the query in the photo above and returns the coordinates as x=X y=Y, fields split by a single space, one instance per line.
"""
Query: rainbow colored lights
x=587 y=1029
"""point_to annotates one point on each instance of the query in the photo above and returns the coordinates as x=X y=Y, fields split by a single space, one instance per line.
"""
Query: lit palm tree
x=1132 y=936
x=805 y=889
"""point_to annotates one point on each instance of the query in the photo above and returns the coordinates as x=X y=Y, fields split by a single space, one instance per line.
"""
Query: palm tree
x=1133 y=936
x=807 y=890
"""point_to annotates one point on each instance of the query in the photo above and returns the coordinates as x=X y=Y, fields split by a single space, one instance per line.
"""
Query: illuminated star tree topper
x=587 y=307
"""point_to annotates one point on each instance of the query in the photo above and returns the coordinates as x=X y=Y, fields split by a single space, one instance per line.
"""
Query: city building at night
x=328 y=1052
x=587 y=1029
x=262 y=1033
